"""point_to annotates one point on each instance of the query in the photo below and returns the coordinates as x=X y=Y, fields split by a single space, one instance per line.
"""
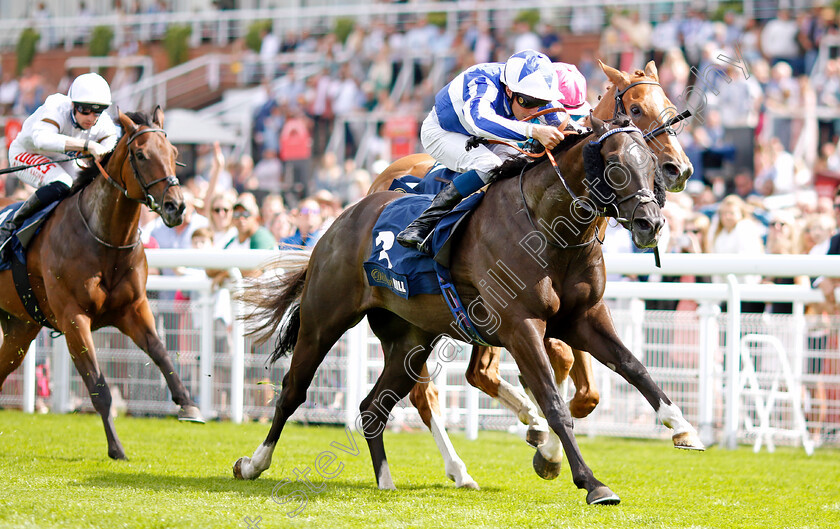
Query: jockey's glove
x=97 y=149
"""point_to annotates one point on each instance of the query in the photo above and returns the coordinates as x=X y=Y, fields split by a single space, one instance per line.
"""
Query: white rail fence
x=760 y=378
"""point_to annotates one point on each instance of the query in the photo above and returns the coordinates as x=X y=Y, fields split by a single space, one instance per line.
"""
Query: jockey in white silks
x=487 y=101
x=63 y=127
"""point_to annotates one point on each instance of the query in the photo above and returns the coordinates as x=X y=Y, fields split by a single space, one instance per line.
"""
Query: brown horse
x=641 y=97
x=88 y=269
x=560 y=283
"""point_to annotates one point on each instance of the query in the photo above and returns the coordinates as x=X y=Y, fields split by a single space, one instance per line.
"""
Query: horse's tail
x=275 y=305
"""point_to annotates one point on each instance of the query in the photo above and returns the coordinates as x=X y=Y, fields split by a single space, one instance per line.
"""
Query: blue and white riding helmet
x=531 y=73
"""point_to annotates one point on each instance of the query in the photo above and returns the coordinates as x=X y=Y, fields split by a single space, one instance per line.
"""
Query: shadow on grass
x=260 y=488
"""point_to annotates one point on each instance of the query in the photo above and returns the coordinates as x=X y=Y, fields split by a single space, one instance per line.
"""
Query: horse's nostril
x=671 y=169
x=643 y=225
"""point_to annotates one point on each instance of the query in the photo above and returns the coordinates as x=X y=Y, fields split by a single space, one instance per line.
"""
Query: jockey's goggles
x=528 y=101
x=89 y=108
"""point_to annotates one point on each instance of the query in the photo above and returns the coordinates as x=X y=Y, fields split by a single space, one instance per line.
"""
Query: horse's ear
x=598 y=126
x=651 y=71
x=128 y=126
x=616 y=77
x=157 y=117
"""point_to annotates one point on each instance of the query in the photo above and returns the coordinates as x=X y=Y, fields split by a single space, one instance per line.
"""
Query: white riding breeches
x=42 y=175
x=449 y=148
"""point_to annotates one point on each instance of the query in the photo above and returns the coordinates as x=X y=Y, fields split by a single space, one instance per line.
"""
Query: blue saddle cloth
x=21 y=239
x=406 y=271
x=431 y=184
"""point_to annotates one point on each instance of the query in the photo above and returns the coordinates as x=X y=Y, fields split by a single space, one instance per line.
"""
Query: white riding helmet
x=90 y=88
x=531 y=73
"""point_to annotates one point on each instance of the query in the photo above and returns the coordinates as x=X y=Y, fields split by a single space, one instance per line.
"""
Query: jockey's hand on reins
x=475 y=141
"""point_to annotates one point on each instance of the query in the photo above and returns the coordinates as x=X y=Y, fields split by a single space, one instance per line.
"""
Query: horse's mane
x=89 y=174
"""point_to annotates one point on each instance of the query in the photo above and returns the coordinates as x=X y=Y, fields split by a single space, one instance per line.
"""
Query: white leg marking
x=455 y=468
x=671 y=416
x=552 y=449
x=258 y=463
x=522 y=406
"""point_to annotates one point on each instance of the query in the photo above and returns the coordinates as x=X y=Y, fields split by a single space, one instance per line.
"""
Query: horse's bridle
x=664 y=127
x=644 y=195
x=147 y=199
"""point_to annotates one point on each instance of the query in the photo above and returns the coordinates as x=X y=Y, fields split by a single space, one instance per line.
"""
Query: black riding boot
x=415 y=234
x=41 y=197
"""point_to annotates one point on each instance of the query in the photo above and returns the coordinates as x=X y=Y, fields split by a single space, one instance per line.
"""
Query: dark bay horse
x=560 y=283
x=88 y=269
x=641 y=97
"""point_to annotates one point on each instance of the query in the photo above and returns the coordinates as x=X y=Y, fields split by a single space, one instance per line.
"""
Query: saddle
x=19 y=242
x=408 y=272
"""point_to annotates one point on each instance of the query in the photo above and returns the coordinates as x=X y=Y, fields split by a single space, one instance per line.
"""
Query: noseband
x=594 y=170
x=664 y=127
x=148 y=199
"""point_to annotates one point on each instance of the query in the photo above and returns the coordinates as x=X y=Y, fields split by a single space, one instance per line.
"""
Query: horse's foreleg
x=76 y=326
x=424 y=397
x=549 y=456
x=528 y=349
x=596 y=333
x=483 y=373
x=139 y=325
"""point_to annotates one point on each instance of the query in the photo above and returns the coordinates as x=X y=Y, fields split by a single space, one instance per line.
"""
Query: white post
x=472 y=412
x=206 y=360
x=800 y=338
x=637 y=317
x=708 y=313
x=733 y=363
x=237 y=355
x=29 y=379
x=357 y=339
x=60 y=401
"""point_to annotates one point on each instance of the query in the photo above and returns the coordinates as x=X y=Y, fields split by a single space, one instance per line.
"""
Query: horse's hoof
x=466 y=483
x=602 y=496
x=190 y=414
x=536 y=437
x=237 y=468
x=545 y=468
x=118 y=455
x=688 y=441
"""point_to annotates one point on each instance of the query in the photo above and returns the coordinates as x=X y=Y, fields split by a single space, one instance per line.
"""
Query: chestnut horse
x=562 y=284
x=88 y=269
x=643 y=99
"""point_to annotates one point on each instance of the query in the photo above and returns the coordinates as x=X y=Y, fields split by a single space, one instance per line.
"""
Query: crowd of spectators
x=755 y=137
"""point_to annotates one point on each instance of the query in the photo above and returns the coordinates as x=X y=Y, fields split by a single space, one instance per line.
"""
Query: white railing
x=225 y=26
x=710 y=391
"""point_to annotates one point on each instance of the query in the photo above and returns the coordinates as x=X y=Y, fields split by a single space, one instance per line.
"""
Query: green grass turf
x=56 y=473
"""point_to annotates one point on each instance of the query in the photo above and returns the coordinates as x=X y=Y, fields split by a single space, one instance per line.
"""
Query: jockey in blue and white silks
x=486 y=100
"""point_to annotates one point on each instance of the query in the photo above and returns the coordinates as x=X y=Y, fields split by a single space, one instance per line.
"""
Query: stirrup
x=423 y=247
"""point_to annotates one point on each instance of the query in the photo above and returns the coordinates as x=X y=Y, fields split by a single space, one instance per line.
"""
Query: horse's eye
x=635 y=110
x=139 y=155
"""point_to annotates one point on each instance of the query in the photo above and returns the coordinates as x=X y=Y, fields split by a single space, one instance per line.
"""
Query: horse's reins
x=148 y=200
x=644 y=195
